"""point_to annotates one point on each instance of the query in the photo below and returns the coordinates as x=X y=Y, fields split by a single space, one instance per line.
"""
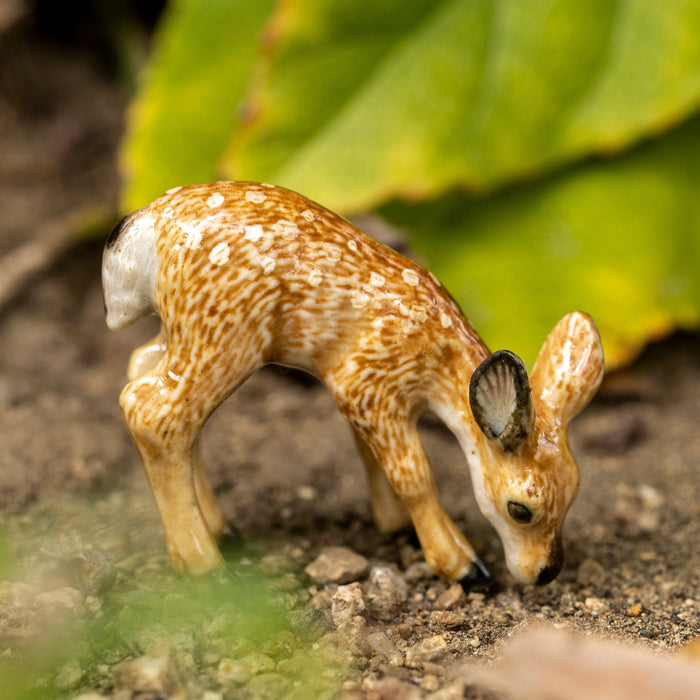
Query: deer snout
x=536 y=562
x=553 y=565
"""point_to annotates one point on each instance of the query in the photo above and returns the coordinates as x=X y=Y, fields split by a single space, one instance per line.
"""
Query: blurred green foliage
x=236 y=618
x=543 y=155
x=224 y=631
x=242 y=617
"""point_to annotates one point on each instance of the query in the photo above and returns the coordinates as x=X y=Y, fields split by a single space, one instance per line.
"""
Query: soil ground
x=281 y=458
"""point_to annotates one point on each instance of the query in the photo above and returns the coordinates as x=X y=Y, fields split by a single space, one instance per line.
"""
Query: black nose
x=551 y=571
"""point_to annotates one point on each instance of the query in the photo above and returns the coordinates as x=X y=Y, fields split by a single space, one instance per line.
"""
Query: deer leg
x=147 y=356
x=223 y=531
x=388 y=510
x=143 y=360
x=164 y=411
x=216 y=522
x=400 y=453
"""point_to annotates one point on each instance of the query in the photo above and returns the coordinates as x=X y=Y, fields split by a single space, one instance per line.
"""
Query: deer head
x=527 y=477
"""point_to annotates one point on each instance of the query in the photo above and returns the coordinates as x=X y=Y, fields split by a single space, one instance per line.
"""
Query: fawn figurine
x=245 y=274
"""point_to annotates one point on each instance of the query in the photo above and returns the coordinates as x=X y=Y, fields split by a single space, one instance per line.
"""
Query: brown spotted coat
x=245 y=274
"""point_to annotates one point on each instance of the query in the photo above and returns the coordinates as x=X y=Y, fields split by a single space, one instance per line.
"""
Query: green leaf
x=191 y=95
x=363 y=100
x=618 y=238
x=357 y=103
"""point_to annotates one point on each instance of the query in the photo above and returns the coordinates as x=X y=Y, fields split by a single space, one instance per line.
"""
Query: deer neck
x=451 y=402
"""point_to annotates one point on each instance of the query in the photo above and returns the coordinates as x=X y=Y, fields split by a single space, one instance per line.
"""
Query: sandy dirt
x=283 y=461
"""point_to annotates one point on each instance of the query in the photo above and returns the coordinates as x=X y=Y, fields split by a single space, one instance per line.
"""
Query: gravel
x=89 y=606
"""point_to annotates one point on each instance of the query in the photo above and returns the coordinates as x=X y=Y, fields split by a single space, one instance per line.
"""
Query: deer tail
x=129 y=265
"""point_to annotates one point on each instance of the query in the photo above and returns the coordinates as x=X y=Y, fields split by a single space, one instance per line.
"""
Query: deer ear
x=569 y=368
x=501 y=401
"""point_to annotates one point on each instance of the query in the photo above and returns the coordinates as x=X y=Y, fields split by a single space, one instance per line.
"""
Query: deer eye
x=519 y=512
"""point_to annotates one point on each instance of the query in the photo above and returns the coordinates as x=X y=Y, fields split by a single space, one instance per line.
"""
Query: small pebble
x=353 y=628
x=307 y=493
x=417 y=572
x=69 y=675
x=347 y=602
x=634 y=610
x=268 y=685
x=449 y=619
x=232 y=671
x=595 y=605
x=430 y=682
x=354 y=634
x=63 y=599
x=337 y=565
x=17 y=594
x=389 y=688
x=148 y=676
x=430 y=650
x=387 y=591
x=382 y=646
x=453 y=691
x=451 y=598
x=476 y=600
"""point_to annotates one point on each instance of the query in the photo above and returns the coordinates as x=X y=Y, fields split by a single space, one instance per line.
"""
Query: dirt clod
x=337 y=565
x=152 y=677
x=453 y=597
x=347 y=602
x=432 y=650
x=387 y=591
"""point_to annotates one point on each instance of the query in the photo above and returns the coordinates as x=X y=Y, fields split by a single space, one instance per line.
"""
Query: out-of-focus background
x=543 y=156
x=538 y=157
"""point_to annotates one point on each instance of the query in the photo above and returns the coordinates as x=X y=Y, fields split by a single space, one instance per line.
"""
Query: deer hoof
x=230 y=541
x=478 y=577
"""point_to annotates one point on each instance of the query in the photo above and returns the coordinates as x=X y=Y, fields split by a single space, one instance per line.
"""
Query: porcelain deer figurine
x=246 y=274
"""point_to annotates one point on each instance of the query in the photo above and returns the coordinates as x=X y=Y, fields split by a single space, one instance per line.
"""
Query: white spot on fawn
x=332 y=252
x=215 y=200
x=285 y=228
x=253 y=233
x=445 y=321
x=308 y=215
x=410 y=277
x=193 y=234
x=315 y=278
x=352 y=245
x=220 y=254
x=168 y=213
x=173 y=190
x=359 y=299
x=418 y=314
x=255 y=196
x=268 y=265
x=266 y=243
x=376 y=280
